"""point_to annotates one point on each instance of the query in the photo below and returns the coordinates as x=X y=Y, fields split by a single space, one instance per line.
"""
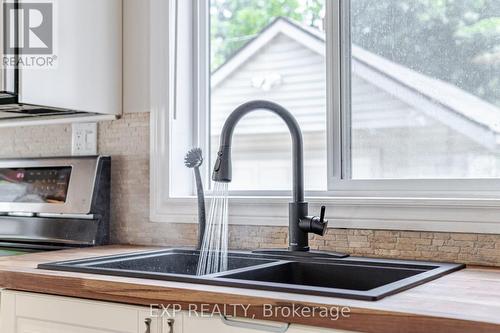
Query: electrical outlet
x=84 y=139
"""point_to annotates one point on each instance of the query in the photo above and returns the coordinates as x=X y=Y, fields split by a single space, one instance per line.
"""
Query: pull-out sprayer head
x=222 y=168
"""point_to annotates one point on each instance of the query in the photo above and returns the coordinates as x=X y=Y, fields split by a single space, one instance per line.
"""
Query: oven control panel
x=34 y=185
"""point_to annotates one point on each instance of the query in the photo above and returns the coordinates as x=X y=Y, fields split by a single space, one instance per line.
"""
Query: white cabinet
x=173 y=325
x=136 y=54
x=87 y=75
x=22 y=312
x=38 y=326
x=37 y=313
x=216 y=324
x=148 y=324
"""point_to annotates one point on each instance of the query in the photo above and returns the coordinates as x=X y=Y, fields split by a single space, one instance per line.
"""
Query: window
x=273 y=50
x=425 y=89
x=421 y=93
x=396 y=99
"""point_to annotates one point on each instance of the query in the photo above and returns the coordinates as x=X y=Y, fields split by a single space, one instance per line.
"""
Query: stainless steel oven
x=54 y=203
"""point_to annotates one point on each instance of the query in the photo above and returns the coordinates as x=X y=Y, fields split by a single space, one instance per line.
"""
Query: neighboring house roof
x=458 y=109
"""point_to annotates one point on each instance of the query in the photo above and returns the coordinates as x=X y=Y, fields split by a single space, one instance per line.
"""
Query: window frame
x=424 y=204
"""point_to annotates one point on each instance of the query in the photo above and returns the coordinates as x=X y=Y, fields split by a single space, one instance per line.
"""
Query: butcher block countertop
x=464 y=301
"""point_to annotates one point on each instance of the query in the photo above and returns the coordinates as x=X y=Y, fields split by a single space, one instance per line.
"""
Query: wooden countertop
x=464 y=301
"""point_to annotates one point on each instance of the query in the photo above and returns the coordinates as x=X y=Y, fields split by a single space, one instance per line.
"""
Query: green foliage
x=235 y=22
x=488 y=27
x=453 y=40
x=457 y=41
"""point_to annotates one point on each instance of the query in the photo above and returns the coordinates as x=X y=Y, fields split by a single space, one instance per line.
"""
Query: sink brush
x=193 y=160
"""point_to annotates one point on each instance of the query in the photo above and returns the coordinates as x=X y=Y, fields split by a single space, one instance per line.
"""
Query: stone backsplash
x=127 y=141
x=477 y=249
x=473 y=249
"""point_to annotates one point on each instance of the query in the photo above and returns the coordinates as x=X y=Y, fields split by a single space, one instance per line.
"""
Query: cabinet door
x=174 y=324
x=237 y=325
x=148 y=323
x=25 y=325
x=216 y=324
x=87 y=72
x=36 y=313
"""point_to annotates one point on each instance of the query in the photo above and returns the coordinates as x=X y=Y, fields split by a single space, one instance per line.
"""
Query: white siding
x=390 y=138
x=374 y=108
x=301 y=90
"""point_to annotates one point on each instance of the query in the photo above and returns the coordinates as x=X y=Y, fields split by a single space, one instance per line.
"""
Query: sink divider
x=246 y=269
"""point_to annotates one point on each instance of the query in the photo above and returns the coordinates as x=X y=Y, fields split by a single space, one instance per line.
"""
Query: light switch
x=84 y=139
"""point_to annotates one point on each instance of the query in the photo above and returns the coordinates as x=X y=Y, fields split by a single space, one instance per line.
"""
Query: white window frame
x=456 y=205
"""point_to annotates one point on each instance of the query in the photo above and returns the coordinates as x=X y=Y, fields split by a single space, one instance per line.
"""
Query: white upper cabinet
x=136 y=63
x=87 y=73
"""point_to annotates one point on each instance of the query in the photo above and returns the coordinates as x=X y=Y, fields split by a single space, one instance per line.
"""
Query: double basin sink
x=356 y=278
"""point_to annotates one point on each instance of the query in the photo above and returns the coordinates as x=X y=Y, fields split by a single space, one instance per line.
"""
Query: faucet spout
x=300 y=224
x=222 y=168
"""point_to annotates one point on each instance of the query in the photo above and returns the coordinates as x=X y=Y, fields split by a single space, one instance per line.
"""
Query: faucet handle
x=319 y=225
x=322 y=214
x=314 y=224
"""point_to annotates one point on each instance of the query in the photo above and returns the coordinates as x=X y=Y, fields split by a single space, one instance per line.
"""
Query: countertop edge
x=21 y=274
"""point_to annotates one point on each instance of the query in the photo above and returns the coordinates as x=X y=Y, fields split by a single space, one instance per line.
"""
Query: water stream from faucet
x=213 y=253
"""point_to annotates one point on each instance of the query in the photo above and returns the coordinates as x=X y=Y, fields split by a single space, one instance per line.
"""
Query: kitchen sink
x=173 y=263
x=324 y=275
x=177 y=262
x=356 y=278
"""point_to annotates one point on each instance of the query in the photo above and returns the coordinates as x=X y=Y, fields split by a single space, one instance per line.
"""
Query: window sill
x=420 y=214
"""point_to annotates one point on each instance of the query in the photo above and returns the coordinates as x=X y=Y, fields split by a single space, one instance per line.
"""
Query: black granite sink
x=356 y=278
x=171 y=262
x=324 y=275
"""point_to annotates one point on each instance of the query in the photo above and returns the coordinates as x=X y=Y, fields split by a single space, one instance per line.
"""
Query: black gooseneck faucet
x=300 y=223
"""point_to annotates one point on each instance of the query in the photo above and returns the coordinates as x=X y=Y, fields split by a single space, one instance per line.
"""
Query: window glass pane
x=425 y=86
x=273 y=50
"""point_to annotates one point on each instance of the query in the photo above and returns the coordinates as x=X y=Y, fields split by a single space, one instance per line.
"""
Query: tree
x=235 y=22
x=457 y=41
x=452 y=40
